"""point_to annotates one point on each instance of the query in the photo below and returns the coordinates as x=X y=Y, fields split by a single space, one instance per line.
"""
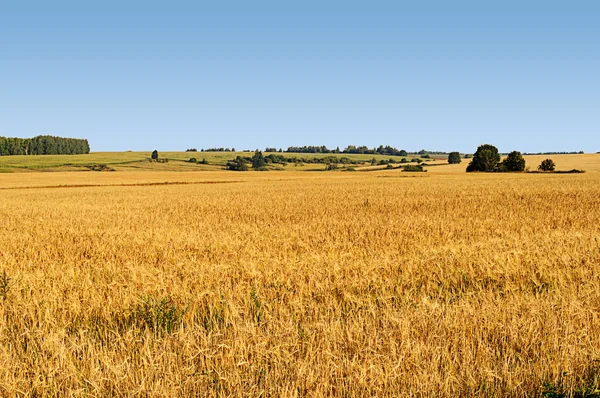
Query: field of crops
x=217 y=283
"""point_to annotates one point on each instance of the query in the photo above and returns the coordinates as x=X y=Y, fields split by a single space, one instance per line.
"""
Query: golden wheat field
x=300 y=284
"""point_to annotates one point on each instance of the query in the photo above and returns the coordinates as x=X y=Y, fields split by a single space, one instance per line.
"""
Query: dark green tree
x=238 y=164
x=486 y=158
x=513 y=162
x=258 y=161
x=454 y=158
x=547 y=165
x=155 y=155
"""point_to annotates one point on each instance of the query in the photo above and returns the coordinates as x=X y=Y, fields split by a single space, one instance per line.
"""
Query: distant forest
x=362 y=150
x=43 y=145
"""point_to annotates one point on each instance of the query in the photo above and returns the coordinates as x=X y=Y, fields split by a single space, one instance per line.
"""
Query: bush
x=513 y=162
x=193 y=160
x=155 y=155
x=100 y=167
x=486 y=158
x=237 y=164
x=547 y=165
x=203 y=161
x=258 y=161
x=403 y=160
x=454 y=158
x=413 y=168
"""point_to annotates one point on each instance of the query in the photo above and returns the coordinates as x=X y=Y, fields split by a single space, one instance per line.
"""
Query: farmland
x=178 y=161
x=188 y=280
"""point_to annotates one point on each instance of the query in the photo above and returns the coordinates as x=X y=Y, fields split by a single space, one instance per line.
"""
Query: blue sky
x=436 y=75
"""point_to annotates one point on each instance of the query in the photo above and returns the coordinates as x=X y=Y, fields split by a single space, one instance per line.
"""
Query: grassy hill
x=178 y=161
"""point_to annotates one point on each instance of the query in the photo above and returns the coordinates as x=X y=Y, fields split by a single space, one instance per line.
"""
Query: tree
x=454 y=158
x=486 y=158
x=237 y=164
x=155 y=155
x=547 y=165
x=258 y=161
x=513 y=162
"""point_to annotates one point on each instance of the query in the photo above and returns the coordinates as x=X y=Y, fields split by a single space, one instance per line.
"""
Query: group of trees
x=43 y=145
x=311 y=149
x=362 y=150
x=487 y=159
x=351 y=149
x=216 y=150
x=260 y=162
x=240 y=163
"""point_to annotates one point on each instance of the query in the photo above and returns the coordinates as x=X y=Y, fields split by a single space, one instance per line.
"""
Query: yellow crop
x=299 y=284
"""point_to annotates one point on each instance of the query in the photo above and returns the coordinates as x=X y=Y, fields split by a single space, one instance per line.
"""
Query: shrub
x=155 y=155
x=258 y=161
x=413 y=168
x=193 y=160
x=238 y=164
x=454 y=158
x=486 y=158
x=513 y=162
x=203 y=161
x=547 y=165
x=100 y=167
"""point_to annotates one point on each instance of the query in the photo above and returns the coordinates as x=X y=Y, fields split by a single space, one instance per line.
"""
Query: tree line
x=361 y=150
x=487 y=159
x=43 y=145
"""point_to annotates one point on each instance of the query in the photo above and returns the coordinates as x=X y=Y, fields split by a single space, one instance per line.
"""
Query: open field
x=178 y=161
x=138 y=161
x=216 y=283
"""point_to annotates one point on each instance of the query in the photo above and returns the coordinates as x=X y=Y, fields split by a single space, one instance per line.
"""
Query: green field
x=178 y=161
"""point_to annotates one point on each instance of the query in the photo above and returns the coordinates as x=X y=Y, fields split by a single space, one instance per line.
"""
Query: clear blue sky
x=439 y=75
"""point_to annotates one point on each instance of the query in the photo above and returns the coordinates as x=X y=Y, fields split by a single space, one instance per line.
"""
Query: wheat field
x=300 y=284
